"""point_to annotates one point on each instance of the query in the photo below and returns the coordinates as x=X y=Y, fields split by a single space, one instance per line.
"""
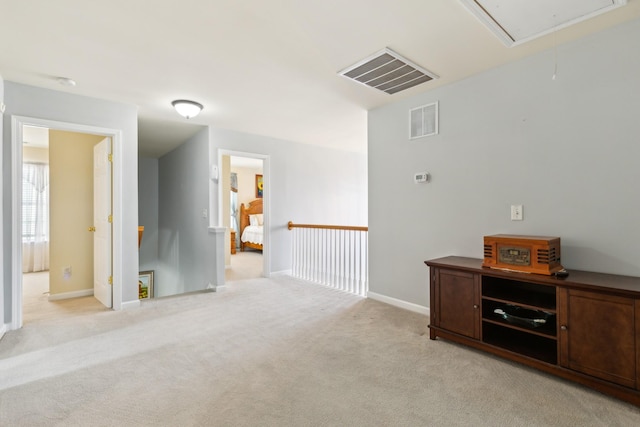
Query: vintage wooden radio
x=529 y=254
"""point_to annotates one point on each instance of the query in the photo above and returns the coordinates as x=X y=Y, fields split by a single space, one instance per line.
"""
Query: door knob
x=92 y=229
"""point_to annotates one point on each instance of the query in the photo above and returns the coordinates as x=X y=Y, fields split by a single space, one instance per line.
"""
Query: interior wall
x=246 y=184
x=71 y=210
x=308 y=184
x=148 y=211
x=225 y=182
x=29 y=101
x=567 y=149
x=186 y=248
x=35 y=154
x=3 y=290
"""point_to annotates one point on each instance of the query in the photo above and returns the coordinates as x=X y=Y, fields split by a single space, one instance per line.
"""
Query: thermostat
x=421 y=177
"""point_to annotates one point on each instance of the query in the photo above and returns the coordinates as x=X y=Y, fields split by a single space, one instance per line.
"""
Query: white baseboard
x=127 y=305
x=74 y=294
x=399 y=303
x=281 y=273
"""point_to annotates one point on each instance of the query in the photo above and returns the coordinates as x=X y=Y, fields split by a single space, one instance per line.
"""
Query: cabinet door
x=456 y=302
x=598 y=335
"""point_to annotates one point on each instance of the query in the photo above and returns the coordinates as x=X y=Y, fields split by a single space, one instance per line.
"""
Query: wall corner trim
x=217 y=230
x=281 y=273
x=126 y=305
x=399 y=303
x=3 y=329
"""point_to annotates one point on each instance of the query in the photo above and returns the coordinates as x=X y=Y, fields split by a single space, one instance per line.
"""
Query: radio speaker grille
x=488 y=251
x=547 y=256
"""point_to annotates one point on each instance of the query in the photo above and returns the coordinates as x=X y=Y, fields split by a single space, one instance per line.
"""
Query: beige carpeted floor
x=273 y=352
x=244 y=265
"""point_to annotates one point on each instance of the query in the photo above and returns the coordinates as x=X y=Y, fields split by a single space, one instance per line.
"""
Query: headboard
x=255 y=207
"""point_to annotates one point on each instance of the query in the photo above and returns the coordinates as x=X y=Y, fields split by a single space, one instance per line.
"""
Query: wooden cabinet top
x=586 y=280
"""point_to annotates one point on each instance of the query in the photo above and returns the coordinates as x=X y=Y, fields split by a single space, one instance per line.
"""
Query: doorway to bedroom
x=243 y=216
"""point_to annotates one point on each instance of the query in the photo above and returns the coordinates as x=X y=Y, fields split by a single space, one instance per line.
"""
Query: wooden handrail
x=291 y=226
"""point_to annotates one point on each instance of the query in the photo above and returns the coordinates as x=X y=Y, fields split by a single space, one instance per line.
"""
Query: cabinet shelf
x=533 y=295
x=504 y=324
x=546 y=329
x=534 y=345
x=521 y=304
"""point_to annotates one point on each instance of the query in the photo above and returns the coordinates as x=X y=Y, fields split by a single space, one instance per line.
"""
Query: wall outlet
x=516 y=213
x=66 y=273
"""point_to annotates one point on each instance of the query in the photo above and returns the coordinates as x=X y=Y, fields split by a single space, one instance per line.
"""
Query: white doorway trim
x=266 y=202
x=17 y=123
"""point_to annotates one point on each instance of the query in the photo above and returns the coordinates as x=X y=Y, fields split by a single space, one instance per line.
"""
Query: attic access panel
x=518 y=21
x=388 y=71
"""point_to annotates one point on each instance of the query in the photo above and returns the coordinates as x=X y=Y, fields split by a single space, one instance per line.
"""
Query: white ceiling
x=265 y=67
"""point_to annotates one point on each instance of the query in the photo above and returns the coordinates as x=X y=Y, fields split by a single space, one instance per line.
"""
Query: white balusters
x=332 y=256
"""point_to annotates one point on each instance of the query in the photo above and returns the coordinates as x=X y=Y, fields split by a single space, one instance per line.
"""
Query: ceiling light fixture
x=186 y=108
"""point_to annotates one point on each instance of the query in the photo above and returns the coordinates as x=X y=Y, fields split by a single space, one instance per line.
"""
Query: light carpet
x=273 y=352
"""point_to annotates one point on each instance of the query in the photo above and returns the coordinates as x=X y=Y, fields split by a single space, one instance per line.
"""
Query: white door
x=101 y=222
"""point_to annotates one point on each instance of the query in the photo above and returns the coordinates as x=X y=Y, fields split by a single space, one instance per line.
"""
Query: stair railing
x=332 y=255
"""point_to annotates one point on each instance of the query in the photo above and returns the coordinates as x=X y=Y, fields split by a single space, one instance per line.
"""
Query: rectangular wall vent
x=423 y=121
x=389 y=72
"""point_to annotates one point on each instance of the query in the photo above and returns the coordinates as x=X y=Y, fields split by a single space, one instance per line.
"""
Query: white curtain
x=234 y=206
x=35 y=217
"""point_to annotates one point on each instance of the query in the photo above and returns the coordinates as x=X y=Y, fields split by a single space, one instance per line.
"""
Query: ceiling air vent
x=388 y=72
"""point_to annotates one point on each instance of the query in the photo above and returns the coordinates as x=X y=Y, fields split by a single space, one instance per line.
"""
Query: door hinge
x=111 y=280
x=110 y=219
x=110 y=157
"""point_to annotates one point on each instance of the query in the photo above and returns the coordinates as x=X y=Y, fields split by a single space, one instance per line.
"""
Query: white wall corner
x=216 y=288
x=281 y=273
x=127 y=305
x=399 y=303
x=3 y=329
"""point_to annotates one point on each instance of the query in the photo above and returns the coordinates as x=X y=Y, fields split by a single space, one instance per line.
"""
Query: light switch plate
x=516 y=213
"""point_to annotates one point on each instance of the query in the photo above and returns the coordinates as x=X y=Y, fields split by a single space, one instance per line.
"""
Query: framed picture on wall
x=259 y=186
x=145 y=284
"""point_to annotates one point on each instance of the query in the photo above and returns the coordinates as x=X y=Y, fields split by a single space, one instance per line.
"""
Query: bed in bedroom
x=251 y=225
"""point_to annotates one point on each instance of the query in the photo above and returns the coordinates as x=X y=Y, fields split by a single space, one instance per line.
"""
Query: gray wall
x=308 y=184
x=568 y=150
x=186 y=252
x=148 y=205
x=47 y=104
x=3 y=319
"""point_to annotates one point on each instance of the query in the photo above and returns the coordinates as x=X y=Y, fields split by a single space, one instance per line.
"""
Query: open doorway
x=243 y=193
x=109 y=136
x=57 y=216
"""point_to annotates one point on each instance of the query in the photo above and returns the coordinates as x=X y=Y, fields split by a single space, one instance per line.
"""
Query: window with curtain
x=35 y=217
x=234 y=205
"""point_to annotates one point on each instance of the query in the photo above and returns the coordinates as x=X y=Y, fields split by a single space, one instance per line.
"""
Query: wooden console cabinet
x=588 y=327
